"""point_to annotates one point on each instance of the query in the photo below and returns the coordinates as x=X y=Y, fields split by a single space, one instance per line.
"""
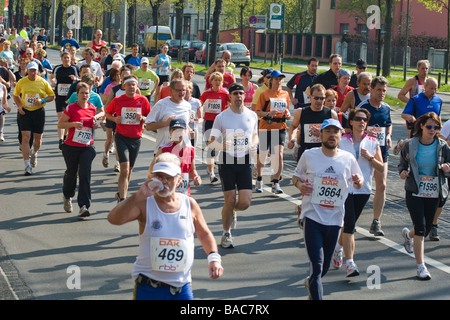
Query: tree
x=386 y=70
x=215 y=30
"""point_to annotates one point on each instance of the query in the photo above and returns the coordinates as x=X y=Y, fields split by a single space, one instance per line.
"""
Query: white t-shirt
x=238 y=128
x=370 y=144
x=331 y=178
x=95 y=67
x=195 y=105
x=445 y=131
x=164 y=109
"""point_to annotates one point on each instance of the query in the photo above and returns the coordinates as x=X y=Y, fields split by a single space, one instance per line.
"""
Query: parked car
x=200 y=54
x=239 y=52
x=190 y=48
x=174 y=46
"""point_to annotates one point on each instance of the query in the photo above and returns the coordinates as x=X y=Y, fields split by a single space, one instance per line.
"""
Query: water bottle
x=156 y=183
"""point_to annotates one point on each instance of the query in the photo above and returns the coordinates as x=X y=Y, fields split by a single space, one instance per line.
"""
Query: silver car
x=239 y=52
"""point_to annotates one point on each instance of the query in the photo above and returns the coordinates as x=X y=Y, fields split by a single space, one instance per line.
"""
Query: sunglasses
x=429 y=127
x=319 y=98
x=235 y=93
x=360 y=119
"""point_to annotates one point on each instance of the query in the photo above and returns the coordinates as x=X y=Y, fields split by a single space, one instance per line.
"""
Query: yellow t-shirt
x=29 y=91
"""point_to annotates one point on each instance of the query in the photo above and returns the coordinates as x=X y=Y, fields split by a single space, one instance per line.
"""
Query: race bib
x=240 y=143
x=309 y=137
x=192 y=115
x=213 y=106
x=428 y=187
x=169 y=255
x=306 y=98
x=328 y=191
x=146 y=84
x=278 y=104
x=381 y=134
x=30 y=99
x=163 y=71
x=82 y=136
x=184 y=187
x=129 y=115
x=63 y=89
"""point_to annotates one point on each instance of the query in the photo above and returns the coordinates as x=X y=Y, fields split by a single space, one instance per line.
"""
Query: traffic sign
x=252 y=20
x=257 y=21
x=141 y=26
x=275 y=16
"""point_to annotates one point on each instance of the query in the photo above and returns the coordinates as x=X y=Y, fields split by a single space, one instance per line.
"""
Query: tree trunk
x=387 y=39
x=215 y=30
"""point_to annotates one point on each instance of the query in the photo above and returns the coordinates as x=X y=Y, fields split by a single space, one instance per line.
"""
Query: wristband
x=44 y=100
x=214 y=257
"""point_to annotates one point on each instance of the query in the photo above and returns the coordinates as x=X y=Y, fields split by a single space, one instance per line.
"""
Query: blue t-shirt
x=426 y=159
x=66 y=44
x=422 y=105
x=46 y=64
x=94 y=99
x=133 y=61
x=379 y=117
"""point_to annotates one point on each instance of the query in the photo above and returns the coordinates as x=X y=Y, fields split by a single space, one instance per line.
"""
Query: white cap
x=144 y=60
x=168 y=168
x=32 y=65
x=117 y=57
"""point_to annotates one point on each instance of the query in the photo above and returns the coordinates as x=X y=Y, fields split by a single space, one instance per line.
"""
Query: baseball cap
x=276 y=73
x=114 y=46
x=177 y=123
x=117 y=57
x=32 y=65
x=144 y=60
x=361 y=63
x=267 y=71
x=167 y=167
x=235 y=86
x=331 y=122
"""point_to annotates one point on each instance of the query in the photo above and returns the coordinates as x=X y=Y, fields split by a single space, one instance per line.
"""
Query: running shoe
x=67 y=204
x=375 y=228
x=422 y=273
x=28 y=171
x=60 y=144
x=117 y=167
x=33 y=159
x=307 y=288
x=398 y=147
x=84 y=212
x=2 y=138
x=337 y=259
x=434 y=233
x=227 y=241
x=212 y=177
x=352 y=270
x=105 y=160
x=408 y=243
x=276 y=188
x=258 y=186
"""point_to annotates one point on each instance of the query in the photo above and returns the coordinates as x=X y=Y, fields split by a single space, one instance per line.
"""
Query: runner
x=167 y=109
x=69 y=42
x=30 y=96
x=301 y=81
x=380 y=125
x=250 y=88
x=185 y=153
x=162 y=65
x=107 y=60
x=424 y=164
x=273 y=109
x=342 y=88
x=166 y=91
x=133 y=58
x=237 y=127
x=263 y=83
x=97 y=42
x=79 y=118
x=227 y=77
x=196 y=112
x=62 y=77
x=367 y=152
x=361 y=66
x=89 y=55
x=130 y=110
x=214 y=101
x=188 y=72
x=229 y=66
x=358 y=95
x=147 y=79
x=414 y=86
x=3 y=109
x=324 y=176
x=94 y=97
x=329 y=78
x=163 y=215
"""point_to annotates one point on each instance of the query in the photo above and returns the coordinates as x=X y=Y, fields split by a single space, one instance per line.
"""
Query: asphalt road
x=47 y=254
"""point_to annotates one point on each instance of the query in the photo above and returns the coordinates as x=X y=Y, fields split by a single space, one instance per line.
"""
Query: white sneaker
x=422 y=273
x=337 y=259
x=67 y=204
x=84 y=212
x=227 y=241
x=212 y=177
x=105 y=160
x=258 y=186
x=28 y=171
x=408 y=243
x=2 y=138
x=276 y=188
x=352 y=270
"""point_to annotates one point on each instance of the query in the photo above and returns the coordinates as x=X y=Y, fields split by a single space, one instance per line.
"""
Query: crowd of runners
x=340 y=132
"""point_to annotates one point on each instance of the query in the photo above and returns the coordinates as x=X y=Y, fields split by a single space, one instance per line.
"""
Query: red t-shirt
x=127 y=108
x=341 y=96
x=227 y=80
x=83 y=137
x=214 y=102
x=186 y=155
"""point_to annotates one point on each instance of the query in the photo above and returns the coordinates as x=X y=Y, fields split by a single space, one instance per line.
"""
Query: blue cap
x=177 y=123
x=331 y=122
x=276 y=73
x=114 y=46
x=343 y=72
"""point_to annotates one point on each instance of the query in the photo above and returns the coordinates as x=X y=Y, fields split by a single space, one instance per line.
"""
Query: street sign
x=258 y=21
x=275 y=16
x=141 y=26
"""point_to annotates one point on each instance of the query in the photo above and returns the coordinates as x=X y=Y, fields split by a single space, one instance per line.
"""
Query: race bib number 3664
x=328 y=191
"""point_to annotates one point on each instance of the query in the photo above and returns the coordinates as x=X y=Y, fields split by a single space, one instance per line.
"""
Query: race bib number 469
x=169 y=255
